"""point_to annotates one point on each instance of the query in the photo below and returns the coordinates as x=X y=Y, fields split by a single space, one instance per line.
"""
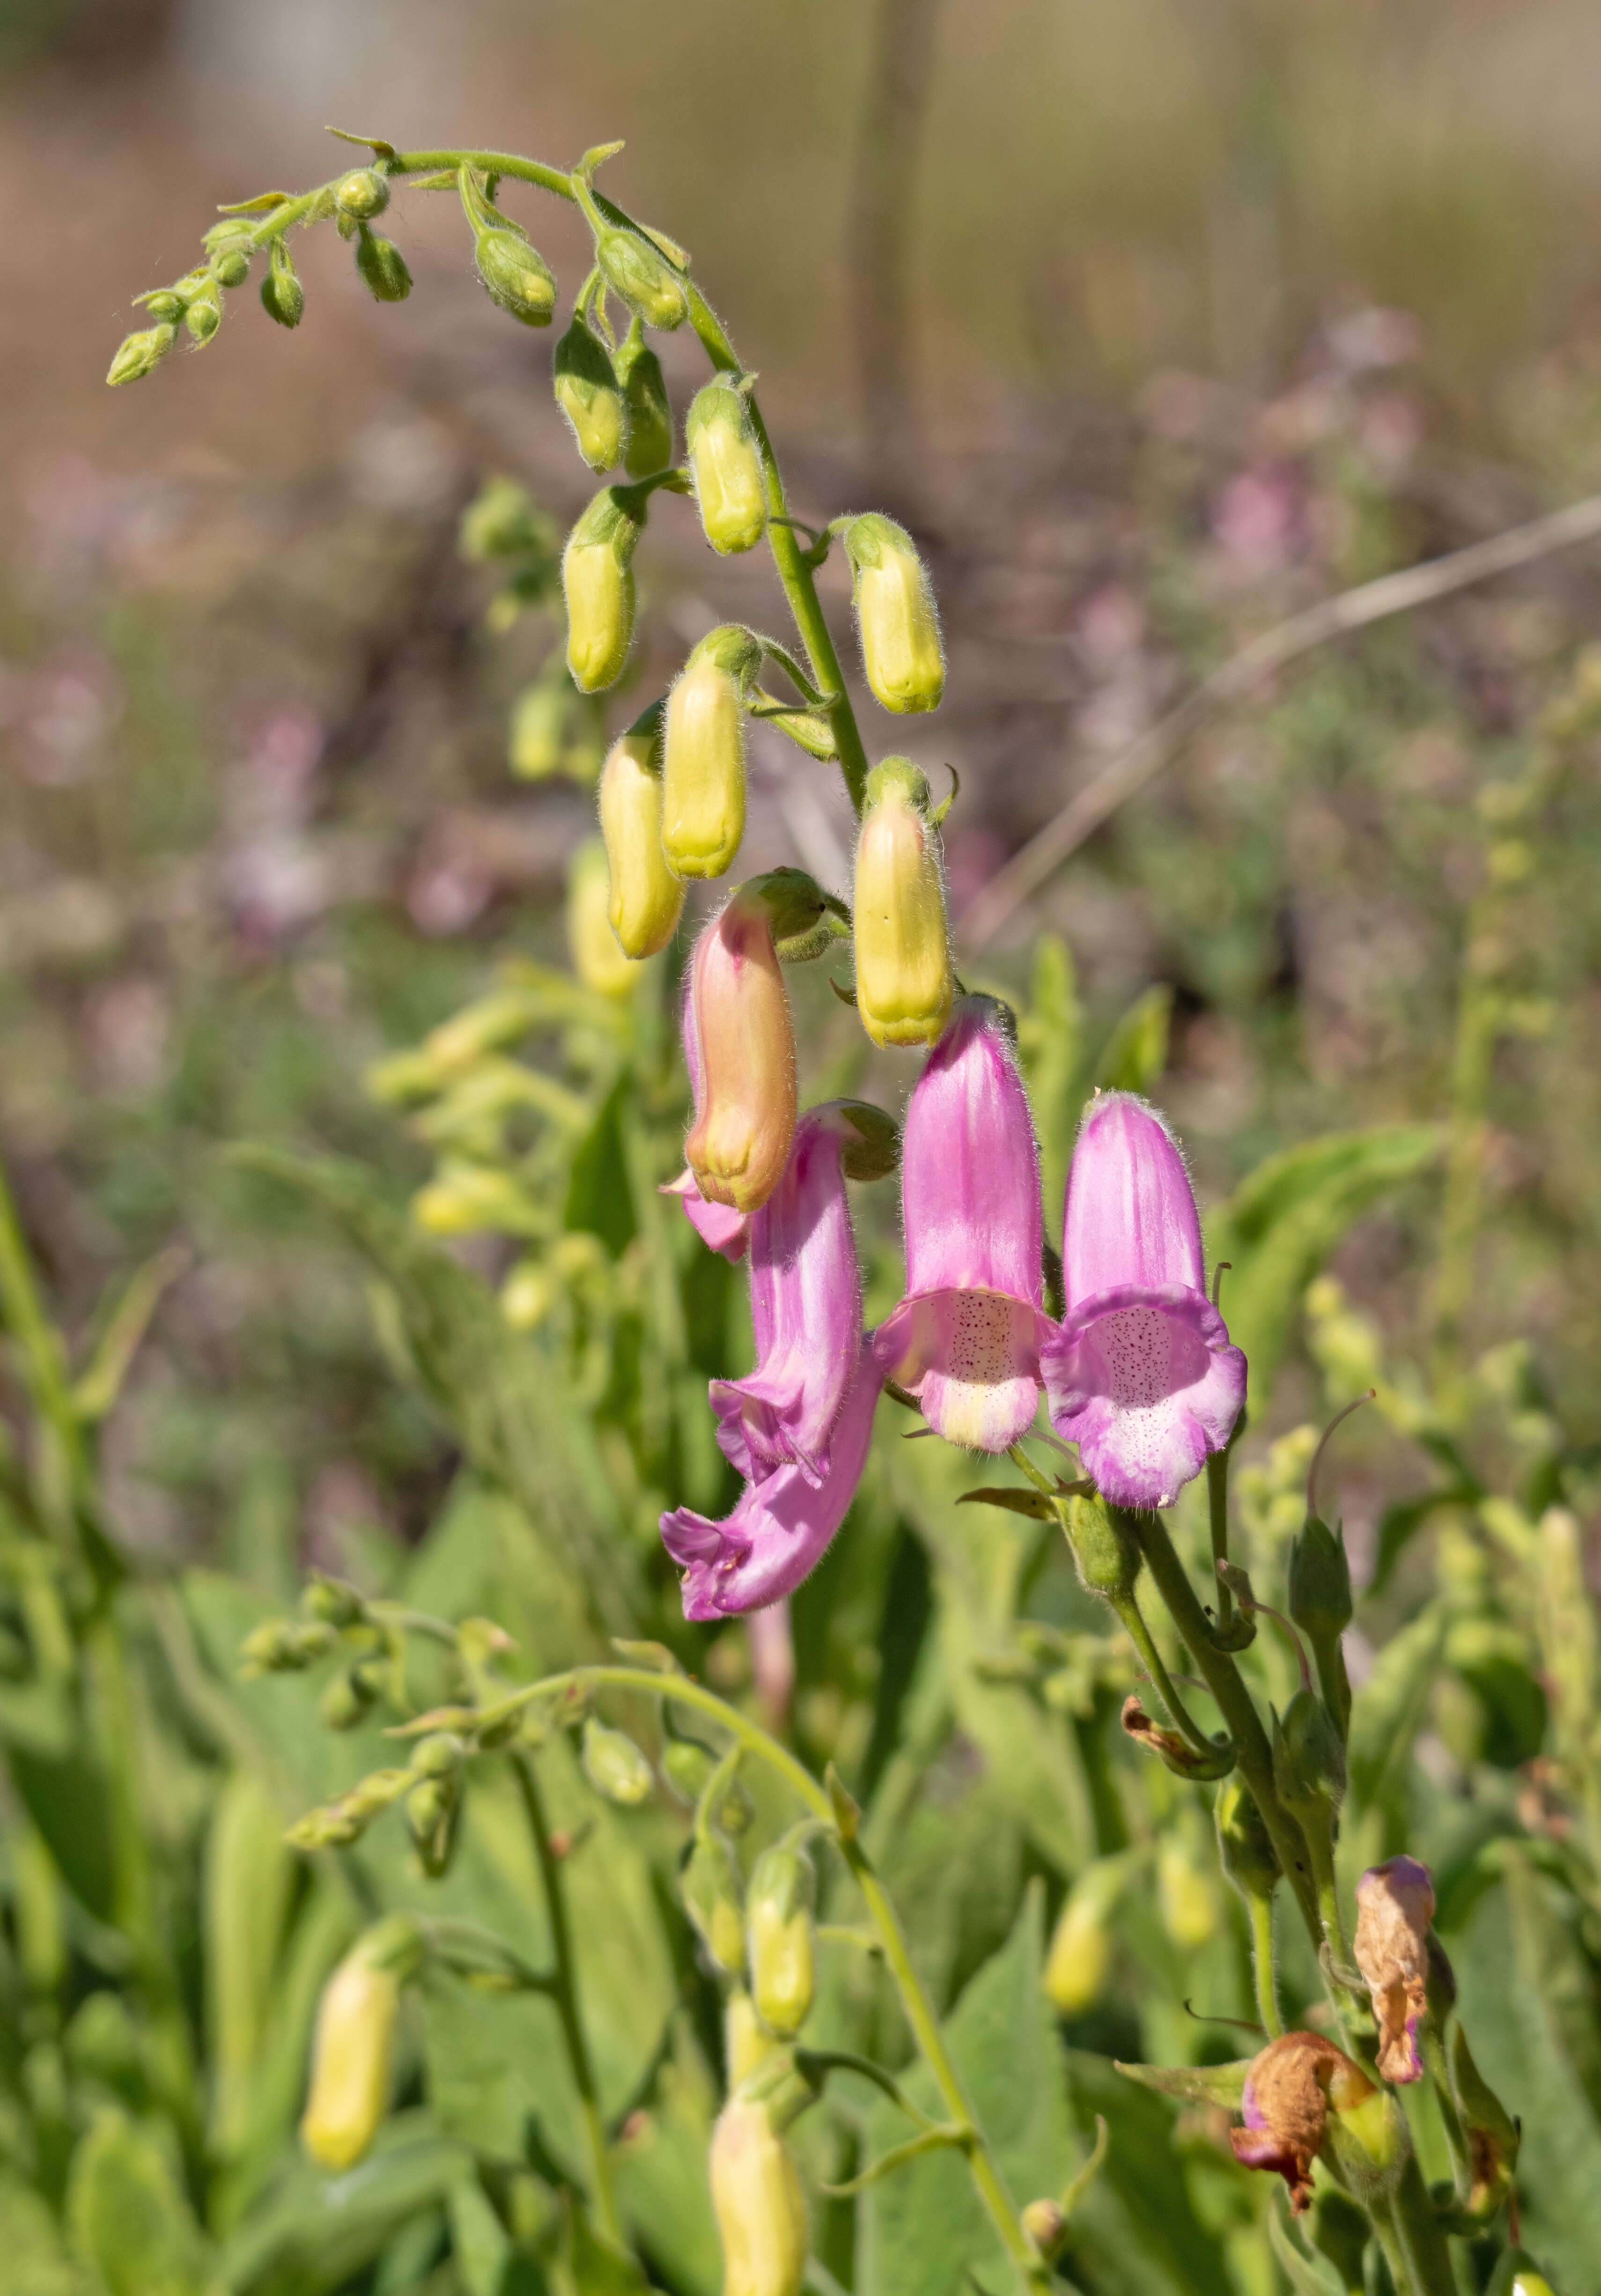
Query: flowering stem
x=1139 y=1634
x=1263 y=1964
x=1217 y=1498
x=1425 y=2259
x=563 y=1989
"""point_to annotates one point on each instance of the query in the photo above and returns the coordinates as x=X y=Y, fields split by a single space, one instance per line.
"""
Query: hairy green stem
x=1134 y=1626
x=564 y=1993
x=1264 y=1965
x=1426 y=2258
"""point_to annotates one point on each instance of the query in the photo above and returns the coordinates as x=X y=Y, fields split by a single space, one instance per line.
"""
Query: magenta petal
x=1146 y=1382
x=970 y=1168
x=972 y=1360
x=1130 y=1215
x=782 y=1527
x=718 y=1224
x=806 y=1306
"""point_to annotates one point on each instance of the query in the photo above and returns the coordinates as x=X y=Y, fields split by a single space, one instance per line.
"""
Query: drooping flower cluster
x=1139 y=1373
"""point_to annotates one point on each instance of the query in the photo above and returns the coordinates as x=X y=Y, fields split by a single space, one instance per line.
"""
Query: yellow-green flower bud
x=703 y=755
x=649 y=430
x=1245 y=1844
x=597 y=576
x=537 y=739
x=383 y=266
x=515 y=275
x=432 y=1808
x=712 y=1894
x=282 y=297
x=761 y=2208
x=354 y=2041
x=615 y=1766
x=780 y=1936
x=137 y=354
x=896 y=615
x=203 y=313
x=1078 y=1959
x=230 y=263
x=1188 y=1894
x=905 y=986
x=646 y=898
x=349 y=1698
x=588 y=395
x=726 y=463
x=166 y=304
x=1046 y=2224
x=644 y=278
x=363 y=194
x=598 y=958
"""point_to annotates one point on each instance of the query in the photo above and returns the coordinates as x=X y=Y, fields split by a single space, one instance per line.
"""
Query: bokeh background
x=1155 y=321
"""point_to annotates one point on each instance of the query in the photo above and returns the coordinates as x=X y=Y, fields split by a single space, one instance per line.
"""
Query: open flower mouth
x=972 y=1360
x=1144 y=1381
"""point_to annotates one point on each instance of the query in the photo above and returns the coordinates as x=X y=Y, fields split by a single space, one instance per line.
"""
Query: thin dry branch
x=1235 y=679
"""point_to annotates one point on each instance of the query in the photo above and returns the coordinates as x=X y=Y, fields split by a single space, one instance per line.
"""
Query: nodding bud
x=1395 y=1905
x=383 y=266
x=704 y=754
x=905 y=984
x=642 y=276
x=588 y=395
x=598 y=961
x=712 y=1894
x=726 y=462
x=1319 y=1581
x=1105 y=1549
x=597 y=576
x=742 y=1042
x=138 y=354
x=354 y=2047
x=282 y=297
x=229 y=263
x=896 y=615
x=650 y=414
x=759 y=2206
x=646 y=898
x=363 y=194
x=1080 y=1957
x=780 y=1937
x=1245 y=1844
x=1309 y=1760
x=615 y=1766
x=515 y=275
x=202 y=312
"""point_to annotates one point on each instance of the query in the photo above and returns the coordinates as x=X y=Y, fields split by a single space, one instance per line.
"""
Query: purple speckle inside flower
x=1144 y=1356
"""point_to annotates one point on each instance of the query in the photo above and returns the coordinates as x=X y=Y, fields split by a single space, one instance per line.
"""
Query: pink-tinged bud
x=966 y=1339
x=905 y=986
x=739 y=1013
x=703 y=755
x=1289 y=2091
x=761 y=2208
x=1395 y=1905
x=354 y=2047
x=1141 y=1375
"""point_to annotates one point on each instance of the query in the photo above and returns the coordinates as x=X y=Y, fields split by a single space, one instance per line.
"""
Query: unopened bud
x=1105 y=1550
x=598 y=958
x=1046 y=2226
x=905 y=986
x=759 y=2206
x=333 y=1600
x=650 y=425
x=203 y=313
x=284 y=1646
x=363 y=194
x=727 y=465
x=348 y=1699
x=229 y=263
x=1187 y=1893
x=1245 y=1844
x=432 y=1808
x=1080 y=1957
x=1309 y=1760
x=588 y=395
x=644 y=278
x=896 y=616
x=1319 y=1581
x=744 y=1042
x=282 y=297
x=1518 y=2274
x=353 y=2047
x=439 y=1755
x=537 y=739
x=781 y=1937
x=615 y=1766
x=139 y=353
x=712 y=1894
x=646 y=897
x=383 y=266
x=166 y=305
x=703 y=755
x=597 y=576
x=515 y=275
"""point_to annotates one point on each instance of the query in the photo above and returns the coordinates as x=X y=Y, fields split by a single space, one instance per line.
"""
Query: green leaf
x=68 y=1799
x=1135 y=2232
x=36 y=2259
x=1285 y=1219
x=1223 y=2085
x=315 y=2232
x=249 y=1874
x=1015 y=1498
x=129 y=2216
x=1308 y=2275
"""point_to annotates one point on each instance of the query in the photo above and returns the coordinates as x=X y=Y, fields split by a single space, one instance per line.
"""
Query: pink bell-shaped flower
x=965 y=1340
x=1141 y=1375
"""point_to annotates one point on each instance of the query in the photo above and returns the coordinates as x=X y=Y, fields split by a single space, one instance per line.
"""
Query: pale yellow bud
x=1079 y=1959
x=597 y=959
x=779 y=1937
x=726 y=463
x=896 y=615
x=703 y=757
x=597 y=576
x=761 y=2208
x=646 y=898
x=353 y=2047
x=905 y=986
x=1188 y=1894
x=744 y=1042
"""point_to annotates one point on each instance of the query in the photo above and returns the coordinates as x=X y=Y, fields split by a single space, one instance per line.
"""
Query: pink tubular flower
x=1141 y=1375
x=723 y=1229
x=805 y=1305
x=966 y=1341
x=783 y=1526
